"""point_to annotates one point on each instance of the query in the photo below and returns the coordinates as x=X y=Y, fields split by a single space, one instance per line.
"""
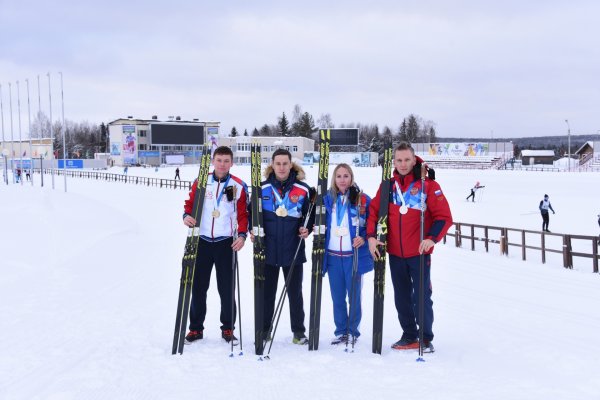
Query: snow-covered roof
x=537 y=153
x=588 y=143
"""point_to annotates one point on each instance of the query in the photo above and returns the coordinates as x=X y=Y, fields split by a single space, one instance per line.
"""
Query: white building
x=240 y=145
x=150 y=141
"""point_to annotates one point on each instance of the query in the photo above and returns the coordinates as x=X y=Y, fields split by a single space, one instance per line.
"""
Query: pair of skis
x=258 y=248
x=319 y=244
x=190 y=254
x=379 y=267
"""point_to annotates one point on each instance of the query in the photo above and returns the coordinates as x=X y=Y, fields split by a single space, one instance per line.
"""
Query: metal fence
x=122 y=178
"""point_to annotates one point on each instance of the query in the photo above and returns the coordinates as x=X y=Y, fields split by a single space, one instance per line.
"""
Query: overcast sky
x=474 y=68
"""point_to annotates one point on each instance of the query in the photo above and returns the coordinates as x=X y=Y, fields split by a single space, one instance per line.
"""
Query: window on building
x=142 y=146
x=143 y=133
x=153 y=147
x=294 y=148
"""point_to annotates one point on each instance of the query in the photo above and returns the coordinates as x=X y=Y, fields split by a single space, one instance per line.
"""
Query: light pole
x=569 y=142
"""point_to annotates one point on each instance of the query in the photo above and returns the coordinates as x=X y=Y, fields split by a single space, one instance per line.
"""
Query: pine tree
x=255 y=132
x=234 y=132
x=284 y=126
x=245 y=132
x=306 y=126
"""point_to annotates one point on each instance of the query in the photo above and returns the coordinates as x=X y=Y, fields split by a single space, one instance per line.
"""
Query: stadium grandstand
x=467 y=155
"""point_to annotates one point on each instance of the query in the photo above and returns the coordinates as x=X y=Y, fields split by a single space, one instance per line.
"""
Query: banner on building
x=129 y=145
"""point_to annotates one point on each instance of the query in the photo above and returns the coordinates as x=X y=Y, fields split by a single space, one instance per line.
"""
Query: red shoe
x=192 y=336
x=406 y=344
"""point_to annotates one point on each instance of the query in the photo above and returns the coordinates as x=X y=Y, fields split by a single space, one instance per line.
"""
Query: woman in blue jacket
x=346 y=213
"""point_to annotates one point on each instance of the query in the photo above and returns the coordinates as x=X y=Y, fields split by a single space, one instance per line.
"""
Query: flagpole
x=51 y=132
x=64 y=130
x=20 y=139
x=12 y=139
x=5 y=171
x=30 y=144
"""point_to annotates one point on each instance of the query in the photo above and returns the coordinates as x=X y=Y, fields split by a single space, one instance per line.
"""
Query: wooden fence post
x=523 y=248
x=472 y=238
x=543 y=248
x=595 y=243
x=457 y=238
x=485 y=230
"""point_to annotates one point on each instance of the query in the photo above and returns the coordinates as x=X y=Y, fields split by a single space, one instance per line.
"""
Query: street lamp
x=569 y=142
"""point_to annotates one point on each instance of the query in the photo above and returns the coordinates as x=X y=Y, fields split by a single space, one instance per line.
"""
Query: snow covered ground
x=89 y=282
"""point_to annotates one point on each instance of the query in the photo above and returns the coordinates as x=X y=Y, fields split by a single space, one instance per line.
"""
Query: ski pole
x=231 y=196
x=422 y=265
x=352 y=307
x=280 y=303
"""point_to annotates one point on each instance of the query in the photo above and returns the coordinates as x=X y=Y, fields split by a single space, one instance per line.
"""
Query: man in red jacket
x=220 y=216
x=403 y=241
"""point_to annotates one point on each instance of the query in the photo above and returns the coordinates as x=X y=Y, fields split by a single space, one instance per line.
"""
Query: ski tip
x=241 y=353
x=420 y=359
x=231 y=355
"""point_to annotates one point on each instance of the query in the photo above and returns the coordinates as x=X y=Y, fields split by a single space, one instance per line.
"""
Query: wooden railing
x=499 y=237
x=105 y=176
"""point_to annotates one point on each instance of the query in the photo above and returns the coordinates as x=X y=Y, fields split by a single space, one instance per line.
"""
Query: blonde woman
x=347 y=257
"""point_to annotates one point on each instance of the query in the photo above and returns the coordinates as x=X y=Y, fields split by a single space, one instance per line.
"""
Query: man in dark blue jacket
x=285 y=203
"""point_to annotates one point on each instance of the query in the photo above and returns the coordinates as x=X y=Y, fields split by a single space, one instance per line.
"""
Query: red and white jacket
x=221 y=227
x=404 y=231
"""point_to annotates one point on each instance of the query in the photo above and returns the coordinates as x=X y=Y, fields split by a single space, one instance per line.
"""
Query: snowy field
x=89 y=283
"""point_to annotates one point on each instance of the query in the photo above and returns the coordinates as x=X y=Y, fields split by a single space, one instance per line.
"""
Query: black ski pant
x=405 y=278
x=546 y=221
x=294 y=293
x=220 y=254
x=471 y=195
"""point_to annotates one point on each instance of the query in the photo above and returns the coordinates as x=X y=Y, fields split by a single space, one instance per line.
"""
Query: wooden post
x=485 y=230
x=523 y=249
x=457 y=235
x=595 y=254
x=472 y=238
x=565 y=252
x=543 y=248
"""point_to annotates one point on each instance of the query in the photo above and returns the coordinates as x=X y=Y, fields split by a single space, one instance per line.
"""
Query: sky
x=475 y=69
x=90 y=277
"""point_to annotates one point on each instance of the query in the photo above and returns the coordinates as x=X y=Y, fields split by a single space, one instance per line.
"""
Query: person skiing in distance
x=544 y=207
x=177 y=174
x=216 y=244
x=473 y=190
x=403 y=241
x=285 y=202
x=343 y=213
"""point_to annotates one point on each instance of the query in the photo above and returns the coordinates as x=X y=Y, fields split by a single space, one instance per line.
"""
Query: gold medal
x=341 y=231
x=216 y=213
x=281 y=211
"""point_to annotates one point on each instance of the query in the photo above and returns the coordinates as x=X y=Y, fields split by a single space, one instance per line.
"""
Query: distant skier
x=28 y=175
x=125 y=170
x=473 y=190
x=544 y=207
x=177 y=173
x=18 y=175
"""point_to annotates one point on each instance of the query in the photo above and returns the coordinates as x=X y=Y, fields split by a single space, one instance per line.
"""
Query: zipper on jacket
x=212 y=229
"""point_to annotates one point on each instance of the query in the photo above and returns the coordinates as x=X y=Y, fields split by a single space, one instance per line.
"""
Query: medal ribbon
x=399 y=194
x=217 y=200
x=278 y=200
x=340 y=208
